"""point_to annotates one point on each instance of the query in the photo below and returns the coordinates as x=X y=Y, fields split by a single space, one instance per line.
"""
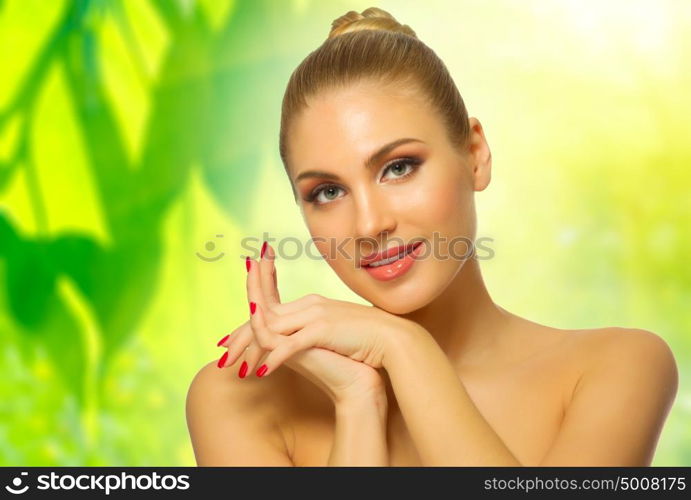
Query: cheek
x=322 y=245
x=442 y=202
x=320 y=241
x=328 y=243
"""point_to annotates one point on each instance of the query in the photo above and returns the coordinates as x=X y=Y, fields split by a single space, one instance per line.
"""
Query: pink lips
x=390 y=252
x=396 y=268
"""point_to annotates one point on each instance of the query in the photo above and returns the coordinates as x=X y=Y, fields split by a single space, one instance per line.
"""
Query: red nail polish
x=223 y=340
x=243 y=370
x=222 y=361
x=248 y=263
x=263 y=249
x=261 y=371
x=253 y=307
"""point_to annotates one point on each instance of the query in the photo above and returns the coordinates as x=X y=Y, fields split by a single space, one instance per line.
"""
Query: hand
x=362 y=333
x=340 y=377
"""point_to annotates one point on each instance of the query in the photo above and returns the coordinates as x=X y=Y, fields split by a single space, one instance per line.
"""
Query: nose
x=374 y=217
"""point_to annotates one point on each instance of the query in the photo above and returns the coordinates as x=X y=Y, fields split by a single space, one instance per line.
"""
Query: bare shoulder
x=628 y=351
x=627 y=384
x=625 y=347
x=234 y=421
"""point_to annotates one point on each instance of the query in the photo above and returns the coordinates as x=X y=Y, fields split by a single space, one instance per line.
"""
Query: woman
x=378 y=146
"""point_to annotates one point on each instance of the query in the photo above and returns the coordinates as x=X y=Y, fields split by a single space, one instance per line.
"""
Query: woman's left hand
x=360 y=332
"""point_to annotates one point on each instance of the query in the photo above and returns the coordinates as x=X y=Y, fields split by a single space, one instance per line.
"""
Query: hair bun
x=370 y=19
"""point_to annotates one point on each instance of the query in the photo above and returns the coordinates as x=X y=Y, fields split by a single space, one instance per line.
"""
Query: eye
x=398 y=167
x=328 y=190
x=326 y=193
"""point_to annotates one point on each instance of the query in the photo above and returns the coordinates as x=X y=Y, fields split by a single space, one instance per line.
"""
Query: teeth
x=389 y=260
x=385 y=261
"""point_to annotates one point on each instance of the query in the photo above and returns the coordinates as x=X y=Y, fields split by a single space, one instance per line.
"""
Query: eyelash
x=413 y=162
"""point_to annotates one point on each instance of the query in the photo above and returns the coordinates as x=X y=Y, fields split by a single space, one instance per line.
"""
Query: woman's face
x=417 y=190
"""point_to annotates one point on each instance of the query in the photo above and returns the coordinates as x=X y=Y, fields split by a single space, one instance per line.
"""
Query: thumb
x=272 y=283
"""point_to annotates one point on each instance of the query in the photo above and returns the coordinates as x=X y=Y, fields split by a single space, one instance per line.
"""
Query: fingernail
x=243 y=370
x=262 y=370
x=263 y=249
x=223 y=340
x=248 y=263
x=222 y=361
x=253 y=307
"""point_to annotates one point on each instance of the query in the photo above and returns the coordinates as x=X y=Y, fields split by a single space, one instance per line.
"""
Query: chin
x=397 y=307
x=398 y=301
x=412 y=295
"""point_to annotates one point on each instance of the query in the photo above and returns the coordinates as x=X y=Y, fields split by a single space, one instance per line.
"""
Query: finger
x=256 y=298
x=226 y=340
x=299 y=304
x=287 y=347
x=283 y=325
x=275 y=275
x=287 y=323
x=267 y=280
x=254 y=351
x=252 y=354
x=223 y=341
x=265 y=338
x=237 y=348
x=254 y=286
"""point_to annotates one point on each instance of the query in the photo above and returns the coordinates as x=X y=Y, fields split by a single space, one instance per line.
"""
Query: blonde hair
x=373 y=46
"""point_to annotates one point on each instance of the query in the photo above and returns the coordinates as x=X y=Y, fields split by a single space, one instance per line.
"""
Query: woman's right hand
x=340 y=377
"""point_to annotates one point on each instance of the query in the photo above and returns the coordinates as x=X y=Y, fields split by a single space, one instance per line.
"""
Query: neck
x=463 y=320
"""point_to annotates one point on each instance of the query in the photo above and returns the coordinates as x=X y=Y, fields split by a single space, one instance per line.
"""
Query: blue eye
x=331 y=190
x=328 y=190
x=410 y=162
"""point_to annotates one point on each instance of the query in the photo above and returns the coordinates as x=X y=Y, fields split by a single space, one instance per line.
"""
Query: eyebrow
x=371 y=161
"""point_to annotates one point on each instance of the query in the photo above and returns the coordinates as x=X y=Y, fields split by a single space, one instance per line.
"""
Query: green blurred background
x=135 y=135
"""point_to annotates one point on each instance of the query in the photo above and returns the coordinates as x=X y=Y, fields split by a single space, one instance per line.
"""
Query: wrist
x=373 y=401
x=401 y=336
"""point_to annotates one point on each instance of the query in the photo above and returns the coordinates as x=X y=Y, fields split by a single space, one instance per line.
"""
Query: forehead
x=352 y=122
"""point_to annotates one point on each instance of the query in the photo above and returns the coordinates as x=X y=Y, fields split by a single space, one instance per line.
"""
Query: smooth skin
x=354 y=389
x=464 y=381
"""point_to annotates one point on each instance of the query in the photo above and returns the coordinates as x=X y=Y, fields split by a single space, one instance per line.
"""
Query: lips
x=389 y=255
